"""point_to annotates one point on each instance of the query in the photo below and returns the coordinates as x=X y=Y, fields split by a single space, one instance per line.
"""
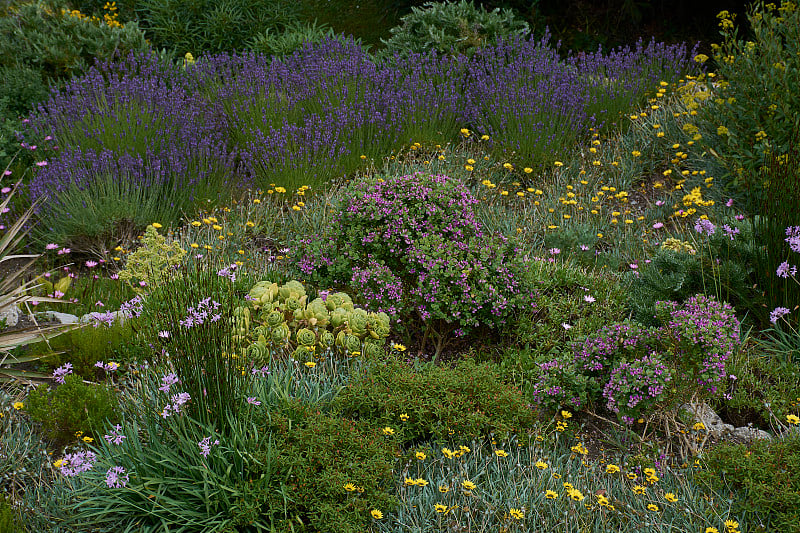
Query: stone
x=705 y=414
x=55 y=316
x=745 y=435
x=11 y=315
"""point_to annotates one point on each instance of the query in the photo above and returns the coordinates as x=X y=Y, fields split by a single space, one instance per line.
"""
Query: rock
x=745 y=435
x=714 y=425
x=11 y=315
x=55 y=316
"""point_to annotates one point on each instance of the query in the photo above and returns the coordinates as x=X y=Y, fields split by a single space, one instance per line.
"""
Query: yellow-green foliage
x=677 y=245
x=151 y=263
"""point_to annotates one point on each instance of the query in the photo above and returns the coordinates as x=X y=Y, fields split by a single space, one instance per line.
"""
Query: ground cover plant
x=329 y=292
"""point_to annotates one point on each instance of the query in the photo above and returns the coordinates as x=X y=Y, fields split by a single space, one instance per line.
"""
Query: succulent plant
x=287 y=322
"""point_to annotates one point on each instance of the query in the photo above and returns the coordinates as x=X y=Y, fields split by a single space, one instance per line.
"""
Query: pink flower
x=658 y=225
x=729 y=203
x=51 y=246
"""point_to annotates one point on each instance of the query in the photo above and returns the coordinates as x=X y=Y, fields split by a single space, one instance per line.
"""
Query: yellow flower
x=349 y=487
x=484 y=137
x=501 y=453
x=468 y=168
x=508 y=166
x=579 y=449
x=376 y=514
x=403 y=417
x=440 y=508
x=558 y=164
x=671 y=498
x=410 y=481
x=541 y=465
x=465 y=132
x=58 y=463
x=468 y=485
x=87 y=439
x=638 y=489
x=550 y=494
x=399 y=347
x=311 y=364
x=388 y=431
x=18 y=405
x=793 y=419
x=722 y=130
x=421 y=456
x=516 y=513
x=712 y=530
x=699 y=427
x=576 y=495
x=653 y=507
x=157 y=225
x=631 y=475
x=701 y=58
x=443 y=488
x=730 y=525
x=527 y=170
x=470 y=161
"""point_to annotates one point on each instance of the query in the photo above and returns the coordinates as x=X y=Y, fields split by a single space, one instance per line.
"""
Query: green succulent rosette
x=372 y=350
x=327 y=339
x=280 y=334
x=351 y=344
x=306 y=337
x=274 y=319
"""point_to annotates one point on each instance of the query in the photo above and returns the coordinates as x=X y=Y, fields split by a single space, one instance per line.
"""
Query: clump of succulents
x=280 y=318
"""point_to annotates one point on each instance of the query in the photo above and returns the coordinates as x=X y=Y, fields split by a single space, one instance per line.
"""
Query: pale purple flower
x=739 y=217
x=566 y=326
x=91 y=264
x=115 y=437
x=61 y=372
x=777 y=313
x=41 y=163
x=167 y=381
x=228 y=272
x=51 y=246
x=163 y=334
x=75 y=463
x=589 y=298
x=253 y=401
x=730 y=232
x=584 y=247
x=554 y=251
x=64 y=251
x=659 y=203
x=264 y=371
x=98 y=303
x=205 y=446
x=785 y=270
x=116 y=478
x=658 y=225
x=729 y=203
x=703 y=225
x=114 y=276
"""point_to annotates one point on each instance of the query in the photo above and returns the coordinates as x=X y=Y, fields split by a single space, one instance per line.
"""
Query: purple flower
x=784 y=270
x=61 y=372
x=115 y=437
x=703 y=225
x=253 y=401
x=116 y=478
x=729 y=203
x=163 y=334
x=167 y=381
x=264 y=371
x=73 y=464
x=52 y=246
x=658 y=225
x=91 y=264
x=730 y=232
x=205 y=446
x=777 y=313
x=589 y=298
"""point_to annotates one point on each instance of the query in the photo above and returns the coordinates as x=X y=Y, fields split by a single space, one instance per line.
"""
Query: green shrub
x=762 y=479
x=152 y=263
x=753 y=111
x=208 y=26
x=336 y=471
x=716 y=264
x=83 y=347
x=452 y=27
x=469 y=400
x=72 y=407
x=9 y=521
x=277 y=43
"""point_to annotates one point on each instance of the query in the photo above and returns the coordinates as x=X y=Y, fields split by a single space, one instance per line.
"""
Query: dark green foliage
x=283 y=43
x=469 y=400
x=208 y=26
x=320 y=454
x=720 y=266
x=763 y=480
x=452 y=27
x=74 y=406
x=83 y=347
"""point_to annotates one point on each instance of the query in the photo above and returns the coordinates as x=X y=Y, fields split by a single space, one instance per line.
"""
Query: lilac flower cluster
x=205 y=310
x=116 y=436
x=108 y=367
x=116 y=477
x=599 y=352
x=132 y=308
x=636 y=386
x=205 y=446
x=76 y=463
x=61 y=372
x=559 y=385
x=177 y=400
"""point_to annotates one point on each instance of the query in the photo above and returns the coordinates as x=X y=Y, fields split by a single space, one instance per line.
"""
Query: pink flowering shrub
x=412 y=246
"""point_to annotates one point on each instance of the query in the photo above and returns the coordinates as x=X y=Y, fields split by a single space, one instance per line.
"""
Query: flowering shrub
x=149 y=264
x=414 y=243
x=629 y=365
